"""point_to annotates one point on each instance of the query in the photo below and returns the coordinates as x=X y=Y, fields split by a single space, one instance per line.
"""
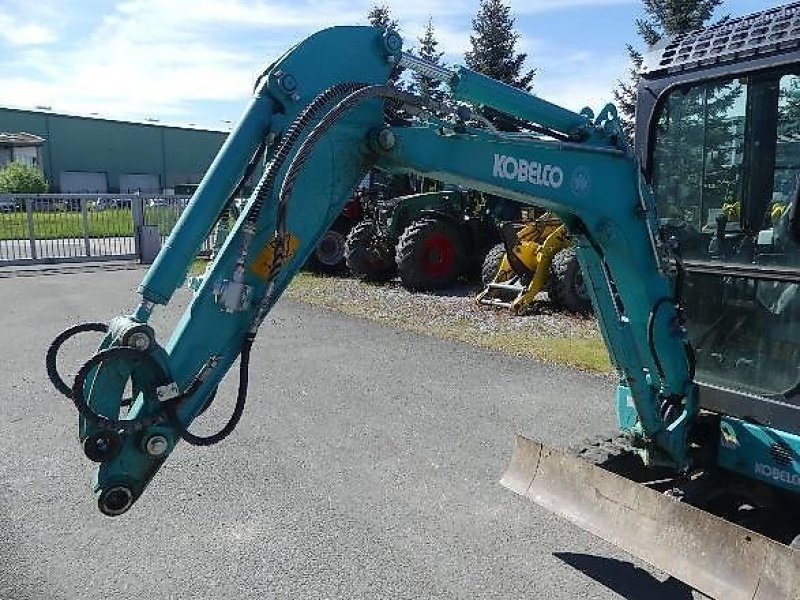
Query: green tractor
x=431 y=239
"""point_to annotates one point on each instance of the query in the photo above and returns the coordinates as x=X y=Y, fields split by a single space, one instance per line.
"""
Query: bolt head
x=288 y=83
x=139 y=340
x=393 y=42
x=386 y=139
x=157 y=445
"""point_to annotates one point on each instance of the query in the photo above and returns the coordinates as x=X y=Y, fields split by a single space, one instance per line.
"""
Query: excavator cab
x=718 y=134
x=718 y=140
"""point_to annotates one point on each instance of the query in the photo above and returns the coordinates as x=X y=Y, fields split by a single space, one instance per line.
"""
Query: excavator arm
x=318 y=119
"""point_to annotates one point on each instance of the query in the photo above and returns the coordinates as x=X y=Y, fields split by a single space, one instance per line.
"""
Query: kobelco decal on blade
x=509 y=167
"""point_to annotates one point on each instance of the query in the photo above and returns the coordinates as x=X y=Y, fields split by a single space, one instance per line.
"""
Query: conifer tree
x=494 y=46
x=663 y=18
x=429 y=50
x=379 y=16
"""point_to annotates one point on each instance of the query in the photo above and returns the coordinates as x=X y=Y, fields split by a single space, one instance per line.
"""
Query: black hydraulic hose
x=248 y=172
x=651 y=343
x=51 y=358
x=238 y=410
x=290 y=139
x=86 y=411
x=355 y=97
x=359 y=95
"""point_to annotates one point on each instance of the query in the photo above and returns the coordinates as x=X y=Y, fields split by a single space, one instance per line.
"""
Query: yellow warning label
x=265 y=261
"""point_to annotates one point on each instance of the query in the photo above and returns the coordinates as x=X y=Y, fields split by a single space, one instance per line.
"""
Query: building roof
x=95 y=117
x=20 y=139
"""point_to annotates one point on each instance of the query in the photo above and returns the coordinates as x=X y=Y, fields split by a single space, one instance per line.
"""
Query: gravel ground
x=545 y=333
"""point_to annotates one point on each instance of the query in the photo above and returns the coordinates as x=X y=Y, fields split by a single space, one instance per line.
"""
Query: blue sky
x=194 y=61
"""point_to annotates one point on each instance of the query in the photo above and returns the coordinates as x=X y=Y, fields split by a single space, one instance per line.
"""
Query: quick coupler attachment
x=125 y=435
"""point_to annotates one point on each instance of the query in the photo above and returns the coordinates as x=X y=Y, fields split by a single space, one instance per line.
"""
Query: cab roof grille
x=772 y=31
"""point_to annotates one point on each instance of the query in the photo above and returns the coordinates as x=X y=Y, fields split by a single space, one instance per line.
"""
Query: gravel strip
x=453 y=313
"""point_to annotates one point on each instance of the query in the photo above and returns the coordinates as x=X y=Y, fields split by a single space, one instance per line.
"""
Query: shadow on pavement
x=45 y=269
x=626 y=579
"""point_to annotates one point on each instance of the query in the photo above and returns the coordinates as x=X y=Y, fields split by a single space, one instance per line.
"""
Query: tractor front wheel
x=430 y=255
x=565 y=286
x=367 y=255
x=492 y=262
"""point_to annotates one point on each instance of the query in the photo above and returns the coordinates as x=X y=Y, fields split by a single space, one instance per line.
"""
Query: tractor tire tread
x=365 y=257
x=562 y=283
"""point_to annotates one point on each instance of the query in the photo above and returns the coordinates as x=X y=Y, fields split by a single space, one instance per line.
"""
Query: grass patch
x=109 y=222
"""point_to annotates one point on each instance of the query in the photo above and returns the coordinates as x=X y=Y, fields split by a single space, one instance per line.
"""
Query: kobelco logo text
x=777 y=474
x=508 y=167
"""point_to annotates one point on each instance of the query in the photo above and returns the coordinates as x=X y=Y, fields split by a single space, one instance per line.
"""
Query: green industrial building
x=99 y=155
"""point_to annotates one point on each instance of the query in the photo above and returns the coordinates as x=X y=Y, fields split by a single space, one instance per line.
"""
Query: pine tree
x=493 y=46
x=429 y=50
x=663 y=18
x=379 y=16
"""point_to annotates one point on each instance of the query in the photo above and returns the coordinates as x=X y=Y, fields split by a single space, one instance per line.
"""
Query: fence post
x=29 y=210
x=85 y=218
x=137 y=210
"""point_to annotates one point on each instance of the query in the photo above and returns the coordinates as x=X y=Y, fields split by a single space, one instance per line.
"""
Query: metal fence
x=50 y=228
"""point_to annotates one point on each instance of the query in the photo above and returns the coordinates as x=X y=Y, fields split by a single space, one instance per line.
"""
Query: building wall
x=74 y=144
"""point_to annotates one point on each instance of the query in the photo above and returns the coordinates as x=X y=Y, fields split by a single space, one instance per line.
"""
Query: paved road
x=366 y=467
x=13 y=250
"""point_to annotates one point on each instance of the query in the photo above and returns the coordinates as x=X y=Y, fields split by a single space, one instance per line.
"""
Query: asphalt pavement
x=366 y=466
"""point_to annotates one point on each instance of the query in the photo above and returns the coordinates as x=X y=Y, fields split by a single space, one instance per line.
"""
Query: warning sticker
x=264 y=263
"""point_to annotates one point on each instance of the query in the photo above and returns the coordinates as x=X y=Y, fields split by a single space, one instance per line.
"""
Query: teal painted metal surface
x=332 y=171
x=760 y=452
x=197 y=221
x=627 y=417
x=595 y=186
x=475 y=88
x=599 y=194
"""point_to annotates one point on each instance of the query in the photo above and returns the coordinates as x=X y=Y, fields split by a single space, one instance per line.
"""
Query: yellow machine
x=518 y=269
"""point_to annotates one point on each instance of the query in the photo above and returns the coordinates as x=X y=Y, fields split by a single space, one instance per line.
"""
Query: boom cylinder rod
x=167 y=272
x=469 y=86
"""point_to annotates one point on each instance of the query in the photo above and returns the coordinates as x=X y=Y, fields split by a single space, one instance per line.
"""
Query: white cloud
x=159 y=57
x=18 y=32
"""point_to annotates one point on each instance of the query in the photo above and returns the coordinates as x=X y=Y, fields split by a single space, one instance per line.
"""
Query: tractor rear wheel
x=565 y=285
x=492 y=262
x=367 y=255
x=329 y=254
x=430 y=255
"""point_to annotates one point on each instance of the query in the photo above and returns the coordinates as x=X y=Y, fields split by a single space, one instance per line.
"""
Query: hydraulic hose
x=51 y=358
x=238 y=410
x=290 y=139
x=118 y=352
x=360 y=94
x=651 y=343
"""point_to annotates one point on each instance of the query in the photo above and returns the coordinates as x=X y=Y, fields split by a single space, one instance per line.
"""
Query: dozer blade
x=716 y=557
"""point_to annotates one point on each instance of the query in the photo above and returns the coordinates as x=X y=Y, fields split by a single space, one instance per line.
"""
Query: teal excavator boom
x=318 y=120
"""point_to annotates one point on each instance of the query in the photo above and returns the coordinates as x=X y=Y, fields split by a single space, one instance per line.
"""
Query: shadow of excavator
x=626 y=579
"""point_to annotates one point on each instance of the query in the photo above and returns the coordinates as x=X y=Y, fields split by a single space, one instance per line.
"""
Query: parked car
x=7 y=203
